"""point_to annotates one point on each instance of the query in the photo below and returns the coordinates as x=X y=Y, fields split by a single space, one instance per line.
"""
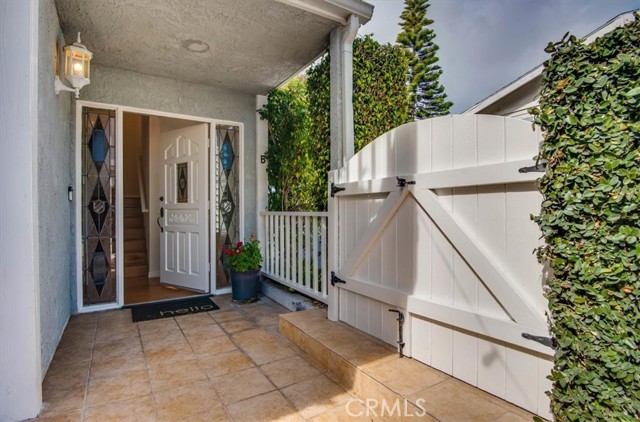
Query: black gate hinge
x=403 y=182
x=335 y=189
x=335 y=279
x=545 y=341
x=538 y=168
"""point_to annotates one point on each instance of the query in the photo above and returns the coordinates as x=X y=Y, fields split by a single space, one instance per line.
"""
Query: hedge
x=590 y=220
x=380 y=98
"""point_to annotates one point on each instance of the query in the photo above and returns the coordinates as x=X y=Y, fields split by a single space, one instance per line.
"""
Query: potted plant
x=244 y=262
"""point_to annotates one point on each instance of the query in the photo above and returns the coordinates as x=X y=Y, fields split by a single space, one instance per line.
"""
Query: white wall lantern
x=76 y=68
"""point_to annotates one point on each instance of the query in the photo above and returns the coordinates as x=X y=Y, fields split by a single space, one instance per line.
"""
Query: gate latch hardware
x=335 y=189
x=400 y=329
x=545 y=341
x=335 y=279
x=403 y=182
x=538 y=168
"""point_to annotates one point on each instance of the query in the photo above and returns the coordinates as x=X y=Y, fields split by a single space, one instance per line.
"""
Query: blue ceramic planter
x=244 y=285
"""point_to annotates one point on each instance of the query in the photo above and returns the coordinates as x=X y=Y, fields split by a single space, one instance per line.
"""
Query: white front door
x=184 y=251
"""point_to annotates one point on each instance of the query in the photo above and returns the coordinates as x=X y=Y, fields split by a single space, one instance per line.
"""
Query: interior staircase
x=135 y=245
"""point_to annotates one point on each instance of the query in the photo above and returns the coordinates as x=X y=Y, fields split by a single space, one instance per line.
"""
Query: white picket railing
x=294 y=246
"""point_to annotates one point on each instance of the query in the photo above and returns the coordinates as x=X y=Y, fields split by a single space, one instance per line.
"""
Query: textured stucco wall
x=55 y=163
x=124 y=88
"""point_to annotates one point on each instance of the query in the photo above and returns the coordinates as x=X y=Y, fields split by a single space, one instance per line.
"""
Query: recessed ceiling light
x=195 y=46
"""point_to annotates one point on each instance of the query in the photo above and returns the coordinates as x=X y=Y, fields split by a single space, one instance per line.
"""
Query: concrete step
x=135 y=245
x=135 y=271
x=372 y=370
x=131 y=234
x=135 y=258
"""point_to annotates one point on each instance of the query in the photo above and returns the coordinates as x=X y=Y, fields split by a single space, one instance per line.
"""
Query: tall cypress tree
x=427 y=95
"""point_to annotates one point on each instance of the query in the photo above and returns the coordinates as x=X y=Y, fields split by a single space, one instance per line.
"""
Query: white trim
x=81 y=308
x=490 y=174
x=316 y=10
x=223 y=291
x=214 y=198
x=120 y=110
x=618 y=21
x=503 y=330
x=20 y=336
x=507 y=331
x=34 y=103
x=78 y=206
x=119 y=208
x=333 y=294
x=506 y=90
x=297 y=213
x=99 y=308
x=335 y=10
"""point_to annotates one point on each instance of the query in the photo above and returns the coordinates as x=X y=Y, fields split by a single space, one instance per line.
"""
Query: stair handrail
x=143 y=195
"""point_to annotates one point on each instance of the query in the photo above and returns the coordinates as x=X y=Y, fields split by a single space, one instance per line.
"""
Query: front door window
x=227 y=170
x=98 y=206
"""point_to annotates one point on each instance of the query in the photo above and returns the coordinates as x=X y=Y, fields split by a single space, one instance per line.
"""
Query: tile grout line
x=147 y=371
x=260 y=370
x=86 y=385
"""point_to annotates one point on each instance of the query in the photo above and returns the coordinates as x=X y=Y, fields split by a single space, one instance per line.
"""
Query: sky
x=487 y=44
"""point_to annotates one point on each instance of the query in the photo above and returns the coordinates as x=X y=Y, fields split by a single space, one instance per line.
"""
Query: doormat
x=173 y=308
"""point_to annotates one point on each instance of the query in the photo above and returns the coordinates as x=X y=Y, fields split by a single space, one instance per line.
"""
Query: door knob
x=162 y=198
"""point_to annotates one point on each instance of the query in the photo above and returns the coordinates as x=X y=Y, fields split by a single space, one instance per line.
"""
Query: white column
x=350 y=32
x=20 y=377
x=341 y=92
x=336 y=107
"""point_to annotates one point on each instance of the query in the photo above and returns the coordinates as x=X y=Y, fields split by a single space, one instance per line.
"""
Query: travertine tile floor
x=231 y=364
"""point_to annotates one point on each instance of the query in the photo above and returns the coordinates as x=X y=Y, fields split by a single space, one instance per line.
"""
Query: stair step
x=135 y=270
x=132 y=212
x=133 y=222
x=135 y=258
x=131 y=234
x=131 y=202
x=135 y=245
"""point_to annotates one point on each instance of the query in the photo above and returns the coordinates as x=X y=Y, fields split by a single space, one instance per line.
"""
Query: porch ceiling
x=250 y=46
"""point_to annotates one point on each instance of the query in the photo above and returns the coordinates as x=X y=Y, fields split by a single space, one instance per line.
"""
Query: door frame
x=119 y=111
x=214 y=199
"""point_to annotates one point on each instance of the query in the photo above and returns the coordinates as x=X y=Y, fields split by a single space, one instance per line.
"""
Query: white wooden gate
x=452 y=249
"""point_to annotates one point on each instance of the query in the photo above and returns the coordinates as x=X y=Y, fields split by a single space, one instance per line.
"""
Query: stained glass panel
x=182 y=182
x=98 y=206
x=227 y=173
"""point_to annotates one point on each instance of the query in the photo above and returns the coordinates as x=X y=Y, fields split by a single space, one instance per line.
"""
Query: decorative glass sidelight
x=227 y=194
x=98 y=206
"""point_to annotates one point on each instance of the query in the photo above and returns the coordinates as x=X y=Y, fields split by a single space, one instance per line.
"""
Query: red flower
x=229 y=252
x=240 y=250
x=239 y=244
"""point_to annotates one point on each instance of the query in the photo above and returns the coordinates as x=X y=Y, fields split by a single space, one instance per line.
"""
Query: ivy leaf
x=633 y=92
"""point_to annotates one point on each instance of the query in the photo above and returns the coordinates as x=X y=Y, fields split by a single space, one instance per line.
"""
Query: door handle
x=159 y=225
x=161 y=211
